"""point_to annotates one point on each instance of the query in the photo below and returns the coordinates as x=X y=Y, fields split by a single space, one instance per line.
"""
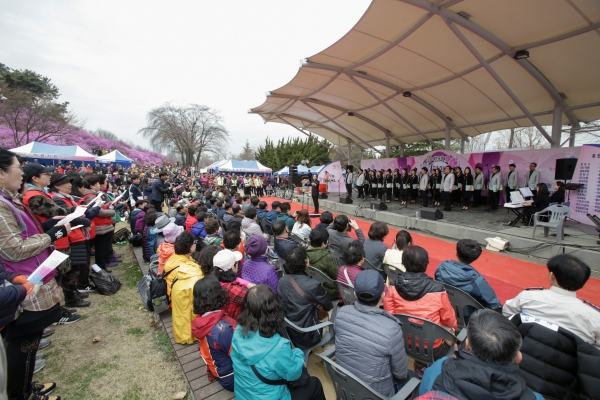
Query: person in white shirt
x=360 y=181
x=302 y=226
x=560 y=304
x=423 y=186
x=512 y=181
x=494 y=187
x=447 y=187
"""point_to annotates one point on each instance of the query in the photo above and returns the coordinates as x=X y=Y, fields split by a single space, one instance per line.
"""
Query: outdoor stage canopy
x=115 y=157
x=411 y=70
x=43 y=151
x=253 y=167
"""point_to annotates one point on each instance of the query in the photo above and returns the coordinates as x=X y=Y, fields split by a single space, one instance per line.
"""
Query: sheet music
x=49 y=265
x=526 y=192
x=515 y=197
x=79 y=211
x=116 y=199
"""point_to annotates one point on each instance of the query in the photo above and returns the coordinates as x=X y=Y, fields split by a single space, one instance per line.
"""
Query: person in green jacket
x=322 y=259
x=256 y=343
x=285 y=216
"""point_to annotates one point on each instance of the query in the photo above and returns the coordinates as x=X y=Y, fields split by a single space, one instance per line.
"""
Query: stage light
x=521 y=55
x=351 y=114
x=407 y=94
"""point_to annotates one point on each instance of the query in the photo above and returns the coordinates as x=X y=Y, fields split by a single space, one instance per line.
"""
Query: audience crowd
x=240 y=280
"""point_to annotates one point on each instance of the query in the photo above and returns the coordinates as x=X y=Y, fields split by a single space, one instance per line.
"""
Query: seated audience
x=256 y=268
x=238 y=213
x=338 y=235
x=375 y=249
x=226 y=268
x=191 y=218
x=461 y=275
x=271 y=216
x=261 y=211
x=321 y=259
x=228 y=216
x=488 y=366
x=560 y=305
x=167 y=248
x=559 y=193
x=325 y=219
x=205 y=257
x=256 y=342
x=302 y=226
x=182 y=214
x=213 y=237
x=282 y=240
x=232 y=241
x=300 y=303
x=285 y=216
x=354 y=255
x=198 y=228
x=220 y=209
x=541 y=202
x=377 y=357
x=249 y=224
x=416 y=293
x=135 y=212
x=393 y=256
x=214 y=330
x=148 y=237
x=183 y=272
x=160 y=223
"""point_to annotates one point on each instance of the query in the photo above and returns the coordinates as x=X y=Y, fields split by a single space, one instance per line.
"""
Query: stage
x=478 y=224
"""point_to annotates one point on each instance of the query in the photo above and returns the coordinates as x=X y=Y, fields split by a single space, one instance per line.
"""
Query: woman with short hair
x=374 y=247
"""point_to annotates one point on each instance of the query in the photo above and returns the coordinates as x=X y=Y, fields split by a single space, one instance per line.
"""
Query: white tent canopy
x=116 y=157
x=242 y=167
x=46 y=151
x=411 y=70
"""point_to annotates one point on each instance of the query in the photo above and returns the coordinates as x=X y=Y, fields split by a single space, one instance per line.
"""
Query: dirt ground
x=133 y=360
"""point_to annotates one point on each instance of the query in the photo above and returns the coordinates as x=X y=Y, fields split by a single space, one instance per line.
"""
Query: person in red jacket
x=416 y=293
x=191 y=218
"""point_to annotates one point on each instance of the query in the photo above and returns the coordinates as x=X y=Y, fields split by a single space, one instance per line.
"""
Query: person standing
x=533 y=176
x=360 y=181
x=349 y=180
x=494 y=187
x=512 y=181
x=447 y=187
x=373 y=181
x=315 y=192
x=436 y=183
x=423 y=184
x=159 y=188
x=396 y=184
x=414 y=185
x=389 y=185
x=366 y=183
x=468 y=188
x=458 y=186
x=404 y=186
x=478 y=184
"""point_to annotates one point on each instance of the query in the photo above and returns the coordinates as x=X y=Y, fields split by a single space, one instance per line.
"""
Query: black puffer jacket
x=558 y=364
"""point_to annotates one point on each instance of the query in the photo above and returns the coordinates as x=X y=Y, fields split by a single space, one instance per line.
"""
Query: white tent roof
x=411 y=69
x=114 y=156
x=53 y=152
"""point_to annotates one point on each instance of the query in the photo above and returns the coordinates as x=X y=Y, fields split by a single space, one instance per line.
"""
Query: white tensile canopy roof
x=411 y=70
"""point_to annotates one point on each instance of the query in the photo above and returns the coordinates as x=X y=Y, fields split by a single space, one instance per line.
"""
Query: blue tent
x=252 y=167
x=115 y=157
x=42 y=151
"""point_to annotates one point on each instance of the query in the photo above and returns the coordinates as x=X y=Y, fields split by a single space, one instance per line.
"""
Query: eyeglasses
x=20 y=167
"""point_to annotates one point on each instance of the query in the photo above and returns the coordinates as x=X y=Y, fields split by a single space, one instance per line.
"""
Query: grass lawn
x=133 y=360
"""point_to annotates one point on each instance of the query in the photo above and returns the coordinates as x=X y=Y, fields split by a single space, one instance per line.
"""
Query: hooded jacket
x=415 y=293
x=369 y=343
x=251 y=227
x=139 y=222
x=469 y=378
x=214 y=331
x=180 y=285
x=322 y=260
x=189 y=222
x=180 y=219
x=272 y=357
x=466 y=278
x=198 y=230
x=165 y=251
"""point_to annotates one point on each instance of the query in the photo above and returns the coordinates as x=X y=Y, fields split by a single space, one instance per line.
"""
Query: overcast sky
x=116 y=60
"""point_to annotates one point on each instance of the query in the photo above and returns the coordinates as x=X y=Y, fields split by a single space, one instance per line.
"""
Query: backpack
x=121 y=235
x=157 y=295
x=136 y=239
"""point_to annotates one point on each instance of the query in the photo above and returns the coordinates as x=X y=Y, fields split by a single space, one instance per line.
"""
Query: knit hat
x=162 y=222
x=58 y=179
x=256 y=246
x=225 y=259
x=368 y=285
x=171 y=232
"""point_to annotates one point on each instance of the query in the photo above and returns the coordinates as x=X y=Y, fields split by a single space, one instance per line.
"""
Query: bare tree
x=193 y=130
x=476 y=143
x=528 y=137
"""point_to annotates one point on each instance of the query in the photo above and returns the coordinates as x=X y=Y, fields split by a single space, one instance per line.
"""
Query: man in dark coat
x=159 y=188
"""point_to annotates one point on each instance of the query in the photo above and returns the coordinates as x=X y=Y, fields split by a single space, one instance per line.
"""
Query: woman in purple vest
x=23 y=247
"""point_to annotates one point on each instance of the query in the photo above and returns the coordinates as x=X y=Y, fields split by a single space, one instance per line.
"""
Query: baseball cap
x=58 y=179
x=225 y=259
x=368 y=285
x=34 y=169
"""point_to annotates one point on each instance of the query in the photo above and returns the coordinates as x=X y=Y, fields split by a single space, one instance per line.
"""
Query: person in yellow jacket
x=184 y=273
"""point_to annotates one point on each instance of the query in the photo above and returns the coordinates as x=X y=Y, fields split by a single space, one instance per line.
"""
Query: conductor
x=315 y=192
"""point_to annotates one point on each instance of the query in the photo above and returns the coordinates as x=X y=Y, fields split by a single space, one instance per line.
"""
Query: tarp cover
x=301 y=169
x=242 y=166
x=50 y=152
x=409 y=69
x=115 y=157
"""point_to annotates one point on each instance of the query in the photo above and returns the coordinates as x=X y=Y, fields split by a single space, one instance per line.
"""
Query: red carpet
x=508 y=276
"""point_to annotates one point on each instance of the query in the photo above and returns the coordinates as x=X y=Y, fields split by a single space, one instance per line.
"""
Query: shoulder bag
x=322 y=313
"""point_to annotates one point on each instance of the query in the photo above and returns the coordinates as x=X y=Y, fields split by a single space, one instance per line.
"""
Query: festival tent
x=115 y=157
x=43 y=151
x=253 y=167
x=301 y=170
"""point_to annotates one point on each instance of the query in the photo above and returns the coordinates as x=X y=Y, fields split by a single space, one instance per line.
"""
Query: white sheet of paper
x=79 y=211
x=116 y=199
x=526 y=192
x=49 y=265
x=75 y=227
x=96 y=200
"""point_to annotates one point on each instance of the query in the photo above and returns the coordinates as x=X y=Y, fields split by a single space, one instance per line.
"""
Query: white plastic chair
x=556 y=217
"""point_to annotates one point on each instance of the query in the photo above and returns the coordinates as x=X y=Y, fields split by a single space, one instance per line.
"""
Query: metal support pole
x=511 y=141
x=462 y=146
x=572 y=138
x=349 y=150
x=556 y=125
x=402 y=150
x=448 y=138
x=387 y=146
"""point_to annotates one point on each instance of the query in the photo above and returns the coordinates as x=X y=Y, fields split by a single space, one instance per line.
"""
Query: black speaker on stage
x=322 y=196
x=345 y=200
x=431 y=213
x=378 y=206
x=565 y=167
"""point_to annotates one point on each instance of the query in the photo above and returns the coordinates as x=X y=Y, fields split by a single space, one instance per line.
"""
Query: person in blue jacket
x=257 y=344
x=198 y=228
x=461 y=275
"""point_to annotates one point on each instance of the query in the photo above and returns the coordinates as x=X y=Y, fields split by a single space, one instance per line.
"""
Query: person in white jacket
x=532 y=178
x=423 y=184
x=494 y=187
x=360 y=180
x=447 y=187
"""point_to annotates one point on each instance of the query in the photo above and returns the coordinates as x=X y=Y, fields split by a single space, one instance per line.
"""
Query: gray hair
x=493 y=338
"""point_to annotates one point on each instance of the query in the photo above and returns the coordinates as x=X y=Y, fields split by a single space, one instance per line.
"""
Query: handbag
x=300 y=382
x=322 y=313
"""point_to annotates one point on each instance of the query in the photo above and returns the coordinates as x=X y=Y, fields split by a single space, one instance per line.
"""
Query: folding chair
x=417 y=331
x=369 y=265
x=298 y=239
x=461 y=300
x=347 y=292
x=391 y=272
x=348 y=386
x=223 y=224
x=265 y=228
x=338 y=257
x=328 y=337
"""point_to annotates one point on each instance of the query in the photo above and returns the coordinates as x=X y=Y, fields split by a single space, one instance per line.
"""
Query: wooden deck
x=192 y=365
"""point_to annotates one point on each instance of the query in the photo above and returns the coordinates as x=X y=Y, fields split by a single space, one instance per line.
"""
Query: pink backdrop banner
x=332 y=175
